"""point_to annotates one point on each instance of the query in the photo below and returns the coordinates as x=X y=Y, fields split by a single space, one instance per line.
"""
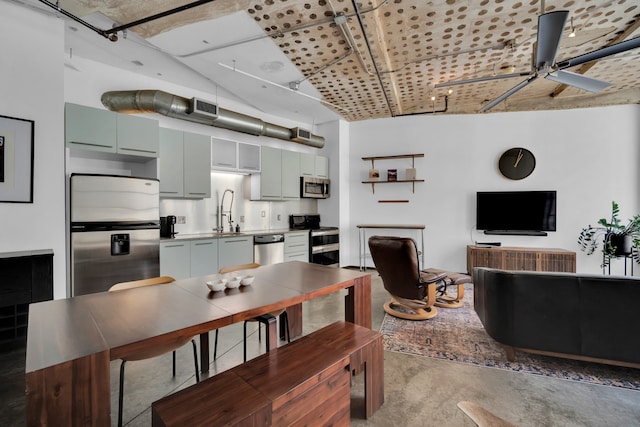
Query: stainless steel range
x=324 y=242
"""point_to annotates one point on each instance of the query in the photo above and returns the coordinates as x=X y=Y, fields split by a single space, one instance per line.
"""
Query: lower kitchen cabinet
x=204 y=257
x=175 y=259
x=296 y=246
x=235 y=251
x=182 y=259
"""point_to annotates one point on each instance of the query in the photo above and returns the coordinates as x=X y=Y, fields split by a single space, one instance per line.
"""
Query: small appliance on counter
x=167 y=226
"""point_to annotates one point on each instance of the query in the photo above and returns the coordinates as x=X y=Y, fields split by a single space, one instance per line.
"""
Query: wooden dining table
x=71 y=342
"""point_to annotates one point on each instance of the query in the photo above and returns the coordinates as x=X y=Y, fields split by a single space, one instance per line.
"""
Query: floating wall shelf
x=400 y=156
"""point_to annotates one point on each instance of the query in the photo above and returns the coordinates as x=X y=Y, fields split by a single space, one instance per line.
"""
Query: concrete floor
x=419 y=391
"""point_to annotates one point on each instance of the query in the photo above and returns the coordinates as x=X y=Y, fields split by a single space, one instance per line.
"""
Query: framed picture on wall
x=16 y=160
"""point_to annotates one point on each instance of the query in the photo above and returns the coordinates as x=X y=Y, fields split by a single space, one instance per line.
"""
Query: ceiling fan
x=550 y=28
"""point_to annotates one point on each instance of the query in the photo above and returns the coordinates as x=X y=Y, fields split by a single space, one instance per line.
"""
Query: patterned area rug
x=457 y=335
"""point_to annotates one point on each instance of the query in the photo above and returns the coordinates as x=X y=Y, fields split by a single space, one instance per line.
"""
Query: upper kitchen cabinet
x=184 y=164
x=224 y=154
x=232 y=156
x=137 y=136
x=197 y=172
x=95 y=129
x=90 y=128
x=314 y=166
x=322 y=167
x=248 y=157
x=290 y=175
x=171 y=163
x=267 y=185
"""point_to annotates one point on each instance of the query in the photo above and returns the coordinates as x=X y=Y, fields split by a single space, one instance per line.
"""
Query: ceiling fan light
x=573 y=30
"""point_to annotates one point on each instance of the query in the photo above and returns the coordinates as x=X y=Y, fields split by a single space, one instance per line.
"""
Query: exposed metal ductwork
x=200 y=111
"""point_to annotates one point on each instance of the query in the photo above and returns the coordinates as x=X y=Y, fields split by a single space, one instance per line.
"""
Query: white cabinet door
x=89 y=128
x=271 y=174
x=235 y=251
x=175 y=259
x=296 y=246
x=307 y=164
x=137 y=136
x=322 y=167
x=290 y=175
x=248 y=157
x=171 y=163
x=197 y=172
x=314 y=166
x=204 y=257
x=223 y=154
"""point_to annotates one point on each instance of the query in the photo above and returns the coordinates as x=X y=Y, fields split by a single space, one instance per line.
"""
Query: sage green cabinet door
x=322 y=167
x=235 y=251
x=197 y=171
x=296 y=246
x=271 y=174
x=223 y=154
x=137 y=136
x=204 y=257
x=171 y=163
x=175 y=259
x=90 y=128
x=307 y=164
x=248 y=157
x=290 y=175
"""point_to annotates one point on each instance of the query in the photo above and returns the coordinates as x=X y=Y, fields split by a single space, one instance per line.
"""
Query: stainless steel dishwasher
x=268 y=248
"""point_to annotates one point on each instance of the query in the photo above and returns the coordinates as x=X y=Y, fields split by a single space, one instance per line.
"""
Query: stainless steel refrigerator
x=115 y=231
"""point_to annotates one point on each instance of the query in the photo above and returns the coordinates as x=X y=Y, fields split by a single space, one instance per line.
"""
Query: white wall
x=31 y=87
x=590 y=156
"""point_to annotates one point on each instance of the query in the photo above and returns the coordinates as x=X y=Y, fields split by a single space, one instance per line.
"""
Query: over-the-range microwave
x=314 y=188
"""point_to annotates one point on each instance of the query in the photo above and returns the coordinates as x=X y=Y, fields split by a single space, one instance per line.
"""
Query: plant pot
x=622 y=244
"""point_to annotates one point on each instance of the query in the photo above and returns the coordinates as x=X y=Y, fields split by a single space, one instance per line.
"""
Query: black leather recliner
x=413 y=291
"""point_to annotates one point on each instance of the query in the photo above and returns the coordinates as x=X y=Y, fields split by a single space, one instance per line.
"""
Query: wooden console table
x=515 y=258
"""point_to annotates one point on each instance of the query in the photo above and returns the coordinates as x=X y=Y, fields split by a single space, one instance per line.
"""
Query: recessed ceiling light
x=272 y=66
x=138 y=63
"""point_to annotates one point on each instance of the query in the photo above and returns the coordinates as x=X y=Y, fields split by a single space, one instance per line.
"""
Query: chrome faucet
x=220 y=225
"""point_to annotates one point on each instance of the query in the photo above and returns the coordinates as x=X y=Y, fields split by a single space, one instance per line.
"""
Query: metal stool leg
x=195 y=359
x=121 y=393
x=215 y=346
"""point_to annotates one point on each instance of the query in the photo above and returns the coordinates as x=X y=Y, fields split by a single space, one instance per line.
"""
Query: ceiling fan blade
x=578 y=80
x=600 y=53
x=508 y=93
x=550 y=28
x=481 y=79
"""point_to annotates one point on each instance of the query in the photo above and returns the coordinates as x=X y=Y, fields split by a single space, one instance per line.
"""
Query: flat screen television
x=516 y=212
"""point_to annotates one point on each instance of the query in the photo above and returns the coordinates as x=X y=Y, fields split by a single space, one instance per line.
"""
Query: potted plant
x=617 y=239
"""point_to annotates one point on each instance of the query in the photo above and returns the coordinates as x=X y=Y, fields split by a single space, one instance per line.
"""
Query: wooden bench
x=306 y=382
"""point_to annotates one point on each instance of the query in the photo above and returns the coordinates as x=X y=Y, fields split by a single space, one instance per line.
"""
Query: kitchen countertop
x=226 y=234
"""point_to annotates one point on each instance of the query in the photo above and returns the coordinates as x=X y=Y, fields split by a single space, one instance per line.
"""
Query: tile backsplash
x=201 y=215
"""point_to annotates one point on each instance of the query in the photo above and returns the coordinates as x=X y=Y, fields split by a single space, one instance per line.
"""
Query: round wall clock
x=517 y=163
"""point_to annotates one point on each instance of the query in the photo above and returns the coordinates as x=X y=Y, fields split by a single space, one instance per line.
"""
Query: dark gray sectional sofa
x=586 y=317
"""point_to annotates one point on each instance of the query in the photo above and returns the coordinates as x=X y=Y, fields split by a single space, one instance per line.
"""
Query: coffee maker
x=167 y=224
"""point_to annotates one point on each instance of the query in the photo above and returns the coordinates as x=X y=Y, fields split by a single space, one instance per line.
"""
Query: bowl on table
x=216 y=285
x=247 y=280
x=234 y=282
